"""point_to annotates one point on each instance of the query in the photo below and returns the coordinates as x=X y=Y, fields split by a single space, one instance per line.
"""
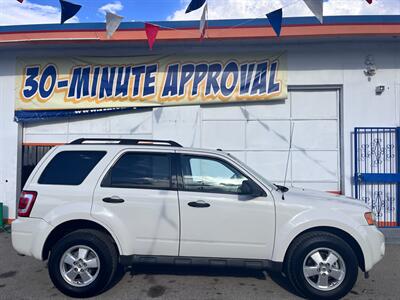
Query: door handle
x=199 y=204
x=113 y=199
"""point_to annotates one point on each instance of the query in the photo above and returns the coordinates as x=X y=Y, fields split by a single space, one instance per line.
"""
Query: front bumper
x=374 y=248
x=29 y=235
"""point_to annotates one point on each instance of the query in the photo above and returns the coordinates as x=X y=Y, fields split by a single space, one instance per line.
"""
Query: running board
x=259 y=264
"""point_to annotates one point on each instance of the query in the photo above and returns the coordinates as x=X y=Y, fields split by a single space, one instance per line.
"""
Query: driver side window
x=209 y=175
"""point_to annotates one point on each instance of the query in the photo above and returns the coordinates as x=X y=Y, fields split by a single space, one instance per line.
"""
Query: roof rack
x=124 y=142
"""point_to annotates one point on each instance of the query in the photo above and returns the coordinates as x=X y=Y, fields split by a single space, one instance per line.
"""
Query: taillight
x=26 y=201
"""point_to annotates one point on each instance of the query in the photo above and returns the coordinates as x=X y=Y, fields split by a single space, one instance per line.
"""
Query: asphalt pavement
x=26 y=278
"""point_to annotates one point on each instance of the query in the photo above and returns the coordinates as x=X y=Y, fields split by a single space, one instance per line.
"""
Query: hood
x=299 y=196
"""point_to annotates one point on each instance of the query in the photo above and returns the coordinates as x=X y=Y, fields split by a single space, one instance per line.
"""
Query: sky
x=48 y=11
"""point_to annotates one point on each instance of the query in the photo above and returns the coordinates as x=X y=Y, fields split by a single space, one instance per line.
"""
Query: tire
x=93 y=273
x=338 y=260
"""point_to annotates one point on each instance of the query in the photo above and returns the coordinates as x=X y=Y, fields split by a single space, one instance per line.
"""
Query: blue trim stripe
x=26 y=116
x=380 y=178
x=212 y=23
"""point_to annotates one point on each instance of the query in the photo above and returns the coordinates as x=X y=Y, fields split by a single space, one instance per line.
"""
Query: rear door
x=137 y=198
x=216 y=219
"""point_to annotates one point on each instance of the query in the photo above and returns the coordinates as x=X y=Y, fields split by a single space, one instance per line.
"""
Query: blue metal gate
x=377 y=172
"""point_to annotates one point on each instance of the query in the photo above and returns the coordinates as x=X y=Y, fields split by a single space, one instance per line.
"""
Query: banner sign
x=146 y=81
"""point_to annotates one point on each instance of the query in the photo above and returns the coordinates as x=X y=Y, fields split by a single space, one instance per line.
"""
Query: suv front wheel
x=83 y=263
x=321 y=265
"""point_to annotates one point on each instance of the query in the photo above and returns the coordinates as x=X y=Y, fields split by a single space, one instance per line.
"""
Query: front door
x=137 y=198
x=217 y=219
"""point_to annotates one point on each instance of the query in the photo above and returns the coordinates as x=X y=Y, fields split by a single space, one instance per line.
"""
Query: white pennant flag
x=112 y=23
x=317 y=8
x=203 y=22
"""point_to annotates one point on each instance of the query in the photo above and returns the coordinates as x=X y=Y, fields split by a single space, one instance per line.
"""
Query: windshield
x=254 y=172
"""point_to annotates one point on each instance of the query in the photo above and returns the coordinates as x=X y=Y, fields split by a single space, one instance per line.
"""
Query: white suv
x=92 y=205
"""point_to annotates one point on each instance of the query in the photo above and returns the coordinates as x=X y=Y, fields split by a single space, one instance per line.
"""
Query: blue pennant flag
x=68 y=10
x=275 y=19
x=195 y=4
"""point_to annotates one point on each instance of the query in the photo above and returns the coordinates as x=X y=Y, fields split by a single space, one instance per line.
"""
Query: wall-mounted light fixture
x=379 y=89
x=370 y=67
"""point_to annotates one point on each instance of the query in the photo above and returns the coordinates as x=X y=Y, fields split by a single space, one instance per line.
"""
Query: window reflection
x=210 y=175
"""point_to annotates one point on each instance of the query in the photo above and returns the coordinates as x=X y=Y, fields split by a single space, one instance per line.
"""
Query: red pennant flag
x=151 y=32
x=369 y=1
x=20 y=1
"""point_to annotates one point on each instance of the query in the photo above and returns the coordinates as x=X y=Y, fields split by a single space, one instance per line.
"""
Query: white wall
x=9 y=138
x=340 y=63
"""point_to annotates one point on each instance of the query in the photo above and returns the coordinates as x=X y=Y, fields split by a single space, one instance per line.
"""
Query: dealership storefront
x=288 y=107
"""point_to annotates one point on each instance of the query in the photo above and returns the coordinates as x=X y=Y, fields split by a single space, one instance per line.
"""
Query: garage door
x=257 y=133
x=260 y=135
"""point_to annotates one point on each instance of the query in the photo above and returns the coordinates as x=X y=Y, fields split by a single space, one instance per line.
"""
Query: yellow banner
x=93 y=82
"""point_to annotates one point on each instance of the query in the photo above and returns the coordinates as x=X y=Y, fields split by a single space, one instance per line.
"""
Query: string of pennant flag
x=69 y=10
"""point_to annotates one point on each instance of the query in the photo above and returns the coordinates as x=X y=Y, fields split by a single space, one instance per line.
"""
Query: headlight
x=370 y=218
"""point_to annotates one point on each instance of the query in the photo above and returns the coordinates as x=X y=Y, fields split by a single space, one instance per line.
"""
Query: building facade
x=342 y=75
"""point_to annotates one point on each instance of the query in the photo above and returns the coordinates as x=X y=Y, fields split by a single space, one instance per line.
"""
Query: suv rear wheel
x=321 y=265
x=83 y=263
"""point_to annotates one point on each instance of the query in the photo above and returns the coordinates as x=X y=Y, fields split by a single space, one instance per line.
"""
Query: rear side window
x=140 y=170
x=70 y=167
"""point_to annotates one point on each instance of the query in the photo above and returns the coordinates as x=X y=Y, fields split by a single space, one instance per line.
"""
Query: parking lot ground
x=26 y=278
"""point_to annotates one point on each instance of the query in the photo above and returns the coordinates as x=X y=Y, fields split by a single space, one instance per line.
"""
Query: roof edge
x=241 y=23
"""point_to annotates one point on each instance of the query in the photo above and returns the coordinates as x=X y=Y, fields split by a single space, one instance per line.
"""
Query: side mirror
x=248 y=187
